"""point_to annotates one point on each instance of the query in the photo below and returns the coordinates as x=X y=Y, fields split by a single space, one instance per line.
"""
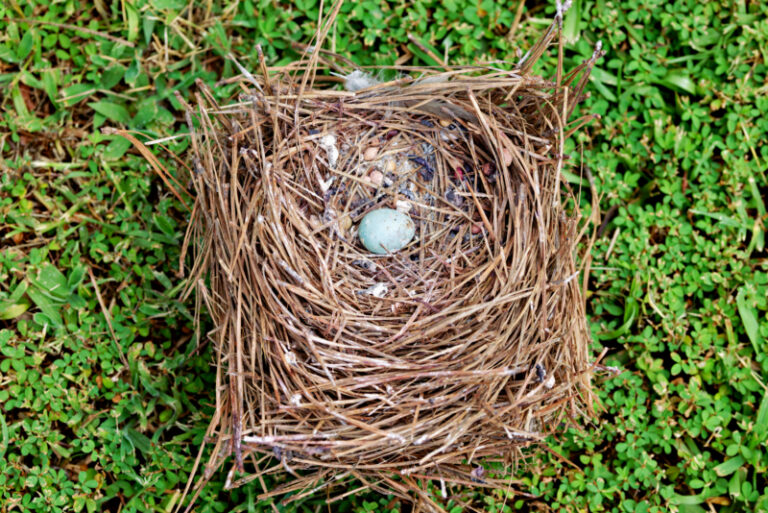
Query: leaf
x=748 y=319
x=631 y=309
x=416 y=48
x=572 y=23
x=146 y=112
x=5 y=436
x=12 y=310
x=138 y=440
x=50 y=83
x=7 y=55
x=165 y=225
x=112 y=76
x=575 y=179
x=721 y=218
x=133 y=21
x=18 y=292
x=734 y=485
x=147 y=27
x=46 y=306
x=50 y=281
x=683 y=500
x=76 y=276
x=111 y=111
x=116 y=148
x=679 y=80
x=25 y=47
x=76 y=302
x=602 y=89
x=603 y=76
x=75 y=93
x=729 y=467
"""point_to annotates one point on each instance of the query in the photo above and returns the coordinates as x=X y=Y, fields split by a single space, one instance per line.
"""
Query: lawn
x=105 y=391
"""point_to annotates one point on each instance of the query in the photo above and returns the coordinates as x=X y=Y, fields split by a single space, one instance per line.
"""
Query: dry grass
x=474 y=344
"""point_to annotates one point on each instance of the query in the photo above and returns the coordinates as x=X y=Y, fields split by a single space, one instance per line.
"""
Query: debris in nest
x=328 y=143
x=403 y=206
x=549 y=383
x=378 y=290
x=477 y=474
x=425 y=170
x=325 y=184
x=541 y=372
x=453 y=197
x=389 y=165
x=376 y=177
x=329 y=215
x=370 y=153
x=359 y=80
x=344 y=224
x=366 y=264
x=406 y=192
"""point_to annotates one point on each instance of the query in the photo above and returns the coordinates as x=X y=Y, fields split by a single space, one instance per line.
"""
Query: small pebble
x=344 y=224
x=476 y=228
x=403 y=206
x=370 y=153
x=376 y=177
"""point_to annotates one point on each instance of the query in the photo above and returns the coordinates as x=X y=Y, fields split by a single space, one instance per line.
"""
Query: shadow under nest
x=463 y=347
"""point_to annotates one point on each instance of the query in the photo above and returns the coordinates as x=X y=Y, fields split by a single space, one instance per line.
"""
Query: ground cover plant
x=106 y=412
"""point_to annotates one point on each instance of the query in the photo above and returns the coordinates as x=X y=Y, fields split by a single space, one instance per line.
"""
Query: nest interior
x=462 y=347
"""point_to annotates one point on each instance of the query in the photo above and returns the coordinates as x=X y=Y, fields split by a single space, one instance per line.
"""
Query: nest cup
x=427 y=362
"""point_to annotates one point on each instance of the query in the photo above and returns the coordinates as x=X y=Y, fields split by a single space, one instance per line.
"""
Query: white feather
x=358 y=80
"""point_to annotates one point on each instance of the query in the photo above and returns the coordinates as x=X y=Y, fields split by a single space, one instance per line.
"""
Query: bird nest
x=462 y=347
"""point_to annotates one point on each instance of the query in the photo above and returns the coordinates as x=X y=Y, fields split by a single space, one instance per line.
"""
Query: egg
x=385 y=230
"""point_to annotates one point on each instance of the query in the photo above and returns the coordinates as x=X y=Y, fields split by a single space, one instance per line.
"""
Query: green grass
x=680 y=270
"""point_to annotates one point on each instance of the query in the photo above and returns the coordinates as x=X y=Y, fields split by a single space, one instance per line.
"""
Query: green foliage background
x=680 y=273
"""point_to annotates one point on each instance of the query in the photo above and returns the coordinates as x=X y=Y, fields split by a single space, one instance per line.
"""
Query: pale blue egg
x=385 y=230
